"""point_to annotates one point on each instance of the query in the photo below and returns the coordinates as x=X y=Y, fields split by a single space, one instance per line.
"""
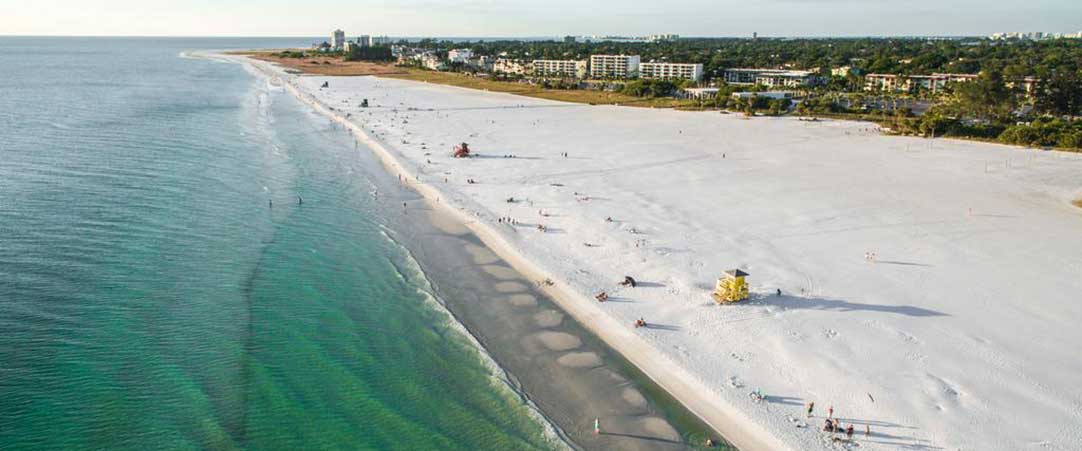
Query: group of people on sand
x=834 y=425
x=507 y=220
x=627 y=282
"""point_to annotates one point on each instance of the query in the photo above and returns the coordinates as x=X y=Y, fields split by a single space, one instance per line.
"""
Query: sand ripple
x=549 y=318
x=559 y=341
x=580 y=360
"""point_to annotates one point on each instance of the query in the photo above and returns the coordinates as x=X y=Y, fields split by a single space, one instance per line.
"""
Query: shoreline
x=793 y=204
x=737 y=430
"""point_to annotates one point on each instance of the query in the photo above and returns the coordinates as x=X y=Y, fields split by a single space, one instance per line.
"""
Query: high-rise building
x=614 y=66
x=338 y=39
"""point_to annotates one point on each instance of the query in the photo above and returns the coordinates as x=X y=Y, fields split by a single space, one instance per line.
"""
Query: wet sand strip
x=570 y=374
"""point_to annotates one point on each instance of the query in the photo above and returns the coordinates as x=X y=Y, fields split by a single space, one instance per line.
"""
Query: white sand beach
x=961 y=333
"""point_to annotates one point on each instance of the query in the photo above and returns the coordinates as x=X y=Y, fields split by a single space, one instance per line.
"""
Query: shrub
x=376 y=53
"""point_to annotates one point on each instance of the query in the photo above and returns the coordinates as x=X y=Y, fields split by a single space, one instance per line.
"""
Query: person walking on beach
x=597 y=426
x=849 y=433
x=811 y=408
x=830 y=412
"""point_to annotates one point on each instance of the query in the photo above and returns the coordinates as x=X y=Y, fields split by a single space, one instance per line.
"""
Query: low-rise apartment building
x=559 y=68
x=693 y=72
x=933 y=83
x=771 y=78
x=614 y=66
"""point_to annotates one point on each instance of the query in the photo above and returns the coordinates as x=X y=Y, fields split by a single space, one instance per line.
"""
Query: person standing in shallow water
x=597 y=426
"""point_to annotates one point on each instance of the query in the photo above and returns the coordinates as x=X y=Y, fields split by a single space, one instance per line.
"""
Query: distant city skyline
x=520 y=18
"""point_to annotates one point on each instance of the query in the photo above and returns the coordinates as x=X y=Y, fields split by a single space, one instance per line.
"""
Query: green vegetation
x=1045 y=132
x=290 y=54
x=650 y=88
x=1002 y=104
x=903 y=56
x=375 y=53
x=593 y=97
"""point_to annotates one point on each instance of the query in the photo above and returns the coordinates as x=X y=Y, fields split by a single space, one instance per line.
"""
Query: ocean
x=189 y=259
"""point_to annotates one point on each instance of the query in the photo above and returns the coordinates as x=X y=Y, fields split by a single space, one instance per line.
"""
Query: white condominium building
x=933 y=83
x=693 y=72
x=559 y=68
x=614 y=66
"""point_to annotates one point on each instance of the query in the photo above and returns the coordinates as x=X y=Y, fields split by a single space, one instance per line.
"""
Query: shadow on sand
x=838 y=305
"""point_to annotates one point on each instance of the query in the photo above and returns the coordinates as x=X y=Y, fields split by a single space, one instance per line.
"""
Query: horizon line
x=840 y=36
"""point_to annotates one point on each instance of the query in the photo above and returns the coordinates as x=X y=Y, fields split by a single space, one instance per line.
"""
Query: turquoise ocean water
x=151 y=297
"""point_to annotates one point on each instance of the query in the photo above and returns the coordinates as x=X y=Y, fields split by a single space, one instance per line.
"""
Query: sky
x=535 y=18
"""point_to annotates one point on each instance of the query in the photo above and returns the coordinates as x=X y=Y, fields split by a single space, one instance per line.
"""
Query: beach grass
x=325 y=65
x=1077 y=202
x=528 y=90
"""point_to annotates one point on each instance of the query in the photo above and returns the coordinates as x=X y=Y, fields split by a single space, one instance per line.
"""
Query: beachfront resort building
x=462 y=56
x=895 y=83
x=671 y=71
x=771 y=78
x=614 y=66
x=700 y=93
x=559 y=68
x=772 y=95
x=338 y=39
